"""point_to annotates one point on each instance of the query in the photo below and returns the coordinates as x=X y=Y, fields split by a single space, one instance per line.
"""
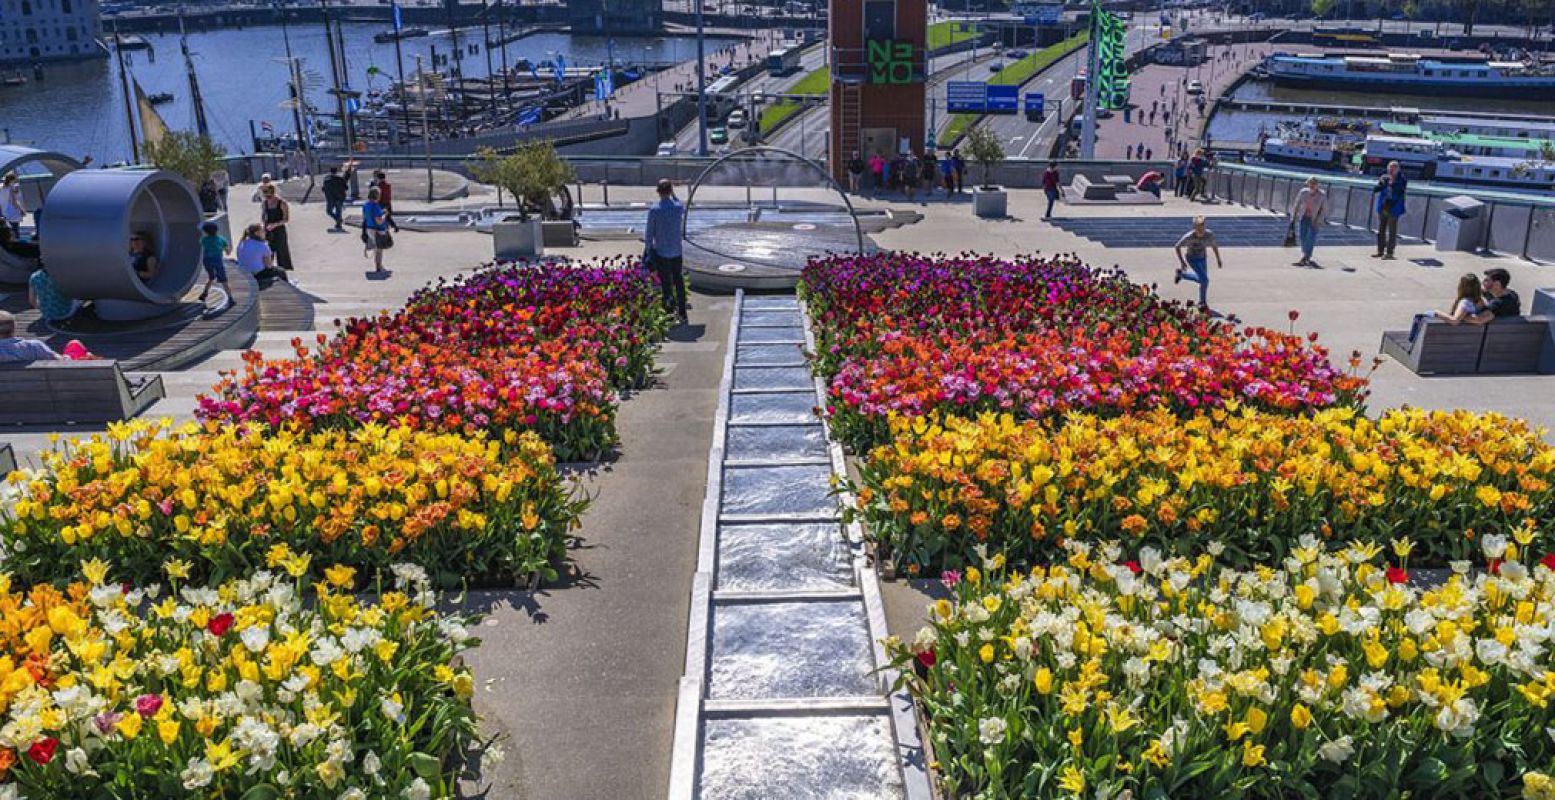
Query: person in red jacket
x=1050 y=183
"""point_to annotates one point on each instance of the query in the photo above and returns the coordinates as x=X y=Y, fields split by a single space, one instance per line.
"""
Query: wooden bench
x=1093 y=191
x=1441 y=348
x=85 y=392
x=1503 y=346
x=1514 y=344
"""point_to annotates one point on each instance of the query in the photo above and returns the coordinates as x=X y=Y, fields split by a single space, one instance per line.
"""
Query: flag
x=560 y=67
x=152 y=128
x=399 y=23
x=1111 y=40
x=267 y=127
x=534 y=70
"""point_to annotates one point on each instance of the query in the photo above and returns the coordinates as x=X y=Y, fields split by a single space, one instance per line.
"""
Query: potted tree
x=197 y=160
x=983 y=146
x=533 y=173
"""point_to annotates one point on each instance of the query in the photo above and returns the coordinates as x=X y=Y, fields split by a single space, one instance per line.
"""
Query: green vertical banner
x=1111 y=43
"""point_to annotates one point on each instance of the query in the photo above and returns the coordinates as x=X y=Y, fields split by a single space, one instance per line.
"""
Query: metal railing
x=1517 y=224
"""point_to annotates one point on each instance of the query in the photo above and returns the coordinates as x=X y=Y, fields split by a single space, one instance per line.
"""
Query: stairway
x=781 y=697
x=849 y=120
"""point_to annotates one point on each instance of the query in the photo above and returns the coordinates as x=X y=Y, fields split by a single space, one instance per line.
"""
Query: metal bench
x=1089 y=190
x=1513 y=345
x=84 y=392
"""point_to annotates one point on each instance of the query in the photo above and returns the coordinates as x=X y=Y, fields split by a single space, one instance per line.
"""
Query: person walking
x=1050 y=183
x=275 y=214
x=1193 y=254
x=375 y=229
x=385 y=197
x=855 y=171
x=213 y=256
x=12 y=207
x=1391 y=191
x=947 y=168
x=930 y=173
x=1180 y=177
x=1128 y=153
x=909 y=172
x=1308 y=213
x=661 y=249
x=336 y=187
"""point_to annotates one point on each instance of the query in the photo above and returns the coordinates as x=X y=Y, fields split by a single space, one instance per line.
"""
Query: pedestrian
x=1196 y=167
x=385 y=197
x=947 y=168
x=1307 y=215
x=886 y=183
x=877 y=171
x=13 y=208
x=375 y=229
x=1129 y=153
x=1149 y=154
x=1150 y=182
x=276 y=212
x=336 y=186
x=930 y=173
x=1391 y=192
x=661 y=249
x=1198 y=242
x=855 y=171
x=1050 y=183
x=910 y=172
x=255 y=257
x=143 y=257
x=959 y=164
x=213 y=256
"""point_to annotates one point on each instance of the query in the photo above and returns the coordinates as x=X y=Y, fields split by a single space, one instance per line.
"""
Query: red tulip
x=42 y=751
x=220 y=624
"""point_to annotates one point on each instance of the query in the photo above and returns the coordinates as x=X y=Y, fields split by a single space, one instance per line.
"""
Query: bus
x=783 y=62
x=723 y=95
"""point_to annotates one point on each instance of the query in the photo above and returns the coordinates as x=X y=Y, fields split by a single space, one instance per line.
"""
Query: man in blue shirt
x=661 y=248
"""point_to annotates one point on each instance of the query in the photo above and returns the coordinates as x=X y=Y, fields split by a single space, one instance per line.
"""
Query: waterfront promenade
x=580 y=678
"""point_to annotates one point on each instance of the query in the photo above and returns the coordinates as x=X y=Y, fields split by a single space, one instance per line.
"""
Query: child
x=213 y=252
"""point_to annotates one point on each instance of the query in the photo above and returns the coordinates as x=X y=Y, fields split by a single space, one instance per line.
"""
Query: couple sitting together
x=1478 y=302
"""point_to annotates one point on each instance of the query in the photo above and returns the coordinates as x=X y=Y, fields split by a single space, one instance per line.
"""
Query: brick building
x=879 y=73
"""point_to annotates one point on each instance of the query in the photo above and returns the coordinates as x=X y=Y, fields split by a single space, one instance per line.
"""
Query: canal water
x=78 y=108
x=1243 y=126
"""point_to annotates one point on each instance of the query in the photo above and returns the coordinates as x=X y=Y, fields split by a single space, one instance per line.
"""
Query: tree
x=533 y=173
x=985 y=149
x=191 y=155
x=1322 y=8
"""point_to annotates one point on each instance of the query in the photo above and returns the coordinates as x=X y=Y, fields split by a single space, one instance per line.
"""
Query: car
x=736 y=119
x=1195 y=87
x=996 y=66
x=666 y=149
x=1016 y=53
x=718 y=136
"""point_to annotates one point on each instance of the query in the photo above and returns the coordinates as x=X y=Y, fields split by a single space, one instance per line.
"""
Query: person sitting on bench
x=1500 y=301
x=1469 y=302
x=18 y=350
x=10 y=243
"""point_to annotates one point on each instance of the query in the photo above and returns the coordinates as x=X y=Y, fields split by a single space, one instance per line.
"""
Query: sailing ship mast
x=194 y=84
x=129 y=102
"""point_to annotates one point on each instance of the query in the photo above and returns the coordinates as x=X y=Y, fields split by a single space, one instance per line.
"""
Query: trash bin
x=1461 y=225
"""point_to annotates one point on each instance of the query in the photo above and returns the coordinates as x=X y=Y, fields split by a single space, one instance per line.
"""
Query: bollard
x=604 y=186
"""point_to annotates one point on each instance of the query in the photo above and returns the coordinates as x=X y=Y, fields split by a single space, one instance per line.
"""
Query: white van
x=666 y=149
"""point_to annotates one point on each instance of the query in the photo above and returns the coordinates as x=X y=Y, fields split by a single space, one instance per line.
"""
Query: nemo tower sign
x=879 y=72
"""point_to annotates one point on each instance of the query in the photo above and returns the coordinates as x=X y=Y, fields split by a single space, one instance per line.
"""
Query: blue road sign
x=1003 y=99
x=1035 y=103
x=966 y=96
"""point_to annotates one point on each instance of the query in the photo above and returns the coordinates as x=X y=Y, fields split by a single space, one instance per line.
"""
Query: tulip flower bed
x=222 y=497
x=1327 y=675
x=540 y=348
x=1252 y=481
x=237 y=691
x=912 y=335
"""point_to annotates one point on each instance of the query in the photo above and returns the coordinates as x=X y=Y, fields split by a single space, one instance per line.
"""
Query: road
x=1020 y=136
x=807 y=134
x=686 y=141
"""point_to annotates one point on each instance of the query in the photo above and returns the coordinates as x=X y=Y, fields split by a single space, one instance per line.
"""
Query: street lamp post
x=701 y=84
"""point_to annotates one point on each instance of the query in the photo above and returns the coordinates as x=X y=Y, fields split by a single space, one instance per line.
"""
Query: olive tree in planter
x=534 y=174
x=196 y=159
x=985 y=150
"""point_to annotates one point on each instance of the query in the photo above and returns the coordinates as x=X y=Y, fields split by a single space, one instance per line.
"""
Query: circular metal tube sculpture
x=747 y=153
x=16 y=268
x=86 y=233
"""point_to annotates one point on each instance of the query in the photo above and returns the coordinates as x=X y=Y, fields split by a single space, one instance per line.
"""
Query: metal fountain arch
x=858 y=230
